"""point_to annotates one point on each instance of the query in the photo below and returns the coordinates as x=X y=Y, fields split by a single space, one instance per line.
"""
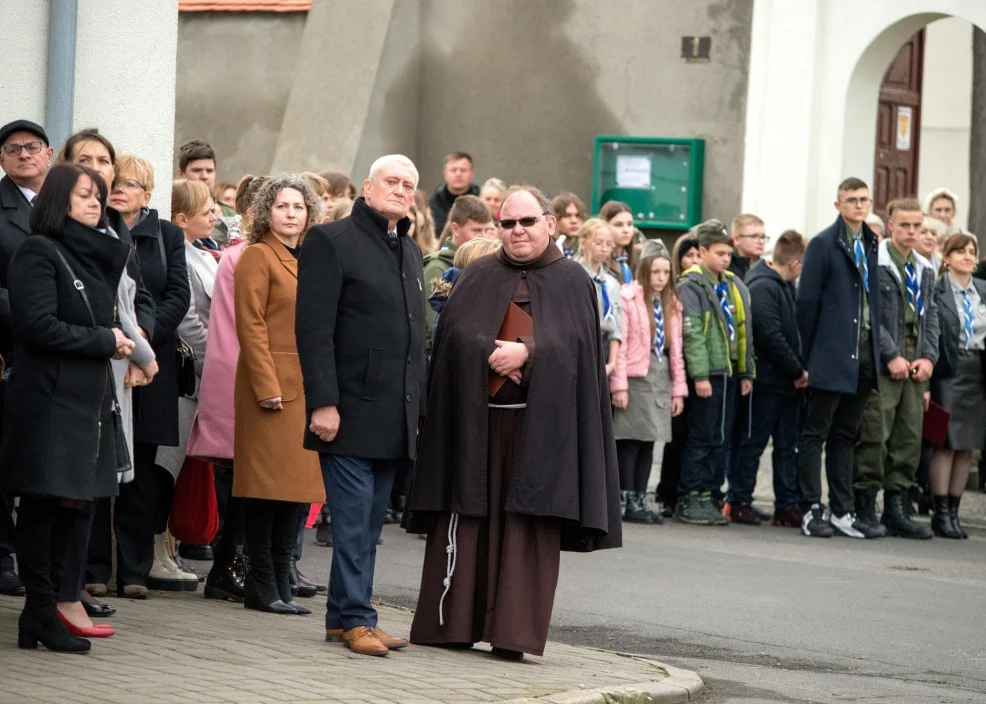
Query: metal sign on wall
x=696 y=50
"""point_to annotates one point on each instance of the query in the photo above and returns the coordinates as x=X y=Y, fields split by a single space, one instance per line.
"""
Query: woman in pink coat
x=648 y=385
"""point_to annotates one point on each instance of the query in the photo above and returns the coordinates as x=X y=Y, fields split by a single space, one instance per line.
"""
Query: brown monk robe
x=501 y=491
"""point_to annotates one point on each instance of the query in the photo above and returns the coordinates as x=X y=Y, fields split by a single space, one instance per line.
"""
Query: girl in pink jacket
x=648 y=384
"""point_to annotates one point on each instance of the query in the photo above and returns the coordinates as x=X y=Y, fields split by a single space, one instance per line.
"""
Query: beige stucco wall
x=946 y=111
x=125 y=74
x=522 y=85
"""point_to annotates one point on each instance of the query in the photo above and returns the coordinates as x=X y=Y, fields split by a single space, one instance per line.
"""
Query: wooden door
x=898 y=126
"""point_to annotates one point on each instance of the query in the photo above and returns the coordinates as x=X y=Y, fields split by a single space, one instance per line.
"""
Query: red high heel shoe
x=98 y=630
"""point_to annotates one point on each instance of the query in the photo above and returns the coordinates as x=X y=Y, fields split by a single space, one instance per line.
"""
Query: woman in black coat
x=58 y=449
x=140 y=516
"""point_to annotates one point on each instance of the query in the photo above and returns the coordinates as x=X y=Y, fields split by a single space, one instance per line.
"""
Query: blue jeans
x=357 y=492
x=774 y=415
x=710 y=425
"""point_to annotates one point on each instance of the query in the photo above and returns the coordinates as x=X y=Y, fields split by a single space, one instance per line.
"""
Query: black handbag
x=124 y=463
x=184 y=355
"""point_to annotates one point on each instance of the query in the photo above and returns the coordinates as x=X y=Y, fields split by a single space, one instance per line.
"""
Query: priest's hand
x=508 y=357
x=621 y=399
x=325 y=423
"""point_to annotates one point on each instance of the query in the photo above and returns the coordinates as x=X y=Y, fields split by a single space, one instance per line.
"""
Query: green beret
x=712 y=232
x=654 y=248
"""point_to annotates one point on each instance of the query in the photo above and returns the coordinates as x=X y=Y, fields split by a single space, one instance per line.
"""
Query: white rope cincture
x=451 y=551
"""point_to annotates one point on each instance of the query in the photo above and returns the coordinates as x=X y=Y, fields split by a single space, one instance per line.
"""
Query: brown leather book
x=516 y=324
x=935 y=426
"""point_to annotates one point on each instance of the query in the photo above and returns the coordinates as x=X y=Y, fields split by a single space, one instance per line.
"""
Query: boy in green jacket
x=718 y=346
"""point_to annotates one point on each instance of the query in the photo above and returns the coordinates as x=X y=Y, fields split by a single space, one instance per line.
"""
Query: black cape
x=566 y=467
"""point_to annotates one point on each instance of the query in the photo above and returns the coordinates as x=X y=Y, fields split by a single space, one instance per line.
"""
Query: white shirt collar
x=28 y=193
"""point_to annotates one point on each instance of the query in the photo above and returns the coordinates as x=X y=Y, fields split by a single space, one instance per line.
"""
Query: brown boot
x=362 y=641
x=391 y=642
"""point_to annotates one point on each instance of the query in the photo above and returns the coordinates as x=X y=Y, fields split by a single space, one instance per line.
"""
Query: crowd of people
x=376 y=350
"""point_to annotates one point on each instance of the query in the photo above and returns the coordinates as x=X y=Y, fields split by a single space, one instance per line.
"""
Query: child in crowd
x=775 y=406
x=619 y=217
x=718 y=347
x=464 y=255
x=684 y=255
x=595 y=248
x=648 y=386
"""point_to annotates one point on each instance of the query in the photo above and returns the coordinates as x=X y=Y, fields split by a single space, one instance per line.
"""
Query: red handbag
x=194 y=510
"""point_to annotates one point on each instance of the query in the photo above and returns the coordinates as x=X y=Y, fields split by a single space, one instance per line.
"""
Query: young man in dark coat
x=24 y=157
x=517 y=459
x=457 y=176
x=775 y=407
x=360 y=331
x=839 y=321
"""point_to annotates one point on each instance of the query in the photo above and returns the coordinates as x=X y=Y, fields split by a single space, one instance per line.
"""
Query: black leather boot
x=896 y=517
x=43 y=532
x=941 y=520
x=261 y=590
x=866 y=514
x=226 y=581
x=298 y=589
x=953 y=510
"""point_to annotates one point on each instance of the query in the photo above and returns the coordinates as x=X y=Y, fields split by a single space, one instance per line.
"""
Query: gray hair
x=496 y=183
x=940 y=193
x=392 y=160
x=263 y=200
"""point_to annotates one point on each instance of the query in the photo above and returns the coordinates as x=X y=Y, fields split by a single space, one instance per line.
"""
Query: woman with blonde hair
x=274 y=473
x=942 y=204
x=648 y=385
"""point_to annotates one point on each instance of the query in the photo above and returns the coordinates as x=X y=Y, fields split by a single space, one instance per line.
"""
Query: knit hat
x=712 y=232
x=654 y=248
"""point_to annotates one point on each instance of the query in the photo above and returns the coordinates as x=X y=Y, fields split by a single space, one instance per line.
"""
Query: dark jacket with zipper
x=160 y=250
x=950 y=338
x=360 y=328
x=441 y=201
x=776 y=340
x=58 y=435
x=830 y=309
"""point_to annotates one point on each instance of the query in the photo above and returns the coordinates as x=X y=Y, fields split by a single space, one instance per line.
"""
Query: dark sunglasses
x=524 y=222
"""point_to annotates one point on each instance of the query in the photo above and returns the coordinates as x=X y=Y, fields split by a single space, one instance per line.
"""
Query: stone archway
x=815 y=74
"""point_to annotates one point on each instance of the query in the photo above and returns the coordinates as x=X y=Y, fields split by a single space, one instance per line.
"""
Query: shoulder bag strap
x=80 y=287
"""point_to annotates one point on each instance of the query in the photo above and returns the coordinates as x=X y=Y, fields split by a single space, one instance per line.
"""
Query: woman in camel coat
x=274 y=473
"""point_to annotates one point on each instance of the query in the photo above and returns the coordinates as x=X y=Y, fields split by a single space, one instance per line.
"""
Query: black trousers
x=667 y=488
x=73 y=578
x=140 y=512
x=232 y=519
x=832 y=419
x=635 y=458
x=270 y=536
x=44 y=529
x=8 y=533
x=710 y=426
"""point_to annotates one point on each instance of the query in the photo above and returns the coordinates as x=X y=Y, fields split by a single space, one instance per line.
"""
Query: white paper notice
x=632 y=171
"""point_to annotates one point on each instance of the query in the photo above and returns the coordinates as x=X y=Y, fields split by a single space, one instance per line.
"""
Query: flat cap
x=23 y=126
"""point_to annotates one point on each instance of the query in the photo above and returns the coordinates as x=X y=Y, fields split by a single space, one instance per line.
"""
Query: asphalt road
x=764 y=614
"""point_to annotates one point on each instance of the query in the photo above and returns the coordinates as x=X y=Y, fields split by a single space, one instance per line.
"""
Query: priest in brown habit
x=517 y=460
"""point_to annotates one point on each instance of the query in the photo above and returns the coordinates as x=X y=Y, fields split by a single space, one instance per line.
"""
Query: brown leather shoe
x=390 y=641
x=362 y=641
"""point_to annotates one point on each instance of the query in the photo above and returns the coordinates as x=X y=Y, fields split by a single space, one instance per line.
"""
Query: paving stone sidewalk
x=182 y=648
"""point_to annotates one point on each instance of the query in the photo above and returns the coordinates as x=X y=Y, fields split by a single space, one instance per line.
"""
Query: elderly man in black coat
x=24 y=157
x=360 y=331
x=517 y=459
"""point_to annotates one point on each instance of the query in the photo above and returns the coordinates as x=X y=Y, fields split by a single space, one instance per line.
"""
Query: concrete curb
x=676 y=686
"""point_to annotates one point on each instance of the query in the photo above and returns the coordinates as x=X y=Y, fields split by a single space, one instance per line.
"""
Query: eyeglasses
x=130 y=185
x=865 y=200
x=15 y=149
x=759 y=238
x=524 y=222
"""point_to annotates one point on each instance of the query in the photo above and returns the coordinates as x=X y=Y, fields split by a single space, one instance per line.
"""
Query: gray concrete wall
x=235 y=72
x=523 y=85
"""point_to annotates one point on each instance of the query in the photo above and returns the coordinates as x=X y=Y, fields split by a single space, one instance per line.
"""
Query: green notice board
x=660 y=179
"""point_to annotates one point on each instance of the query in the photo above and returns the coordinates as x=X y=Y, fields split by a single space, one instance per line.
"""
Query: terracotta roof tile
x=244 y=5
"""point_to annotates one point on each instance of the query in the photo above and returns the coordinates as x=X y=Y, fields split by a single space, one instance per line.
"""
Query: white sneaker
x=846 y=525
x=164 y=574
